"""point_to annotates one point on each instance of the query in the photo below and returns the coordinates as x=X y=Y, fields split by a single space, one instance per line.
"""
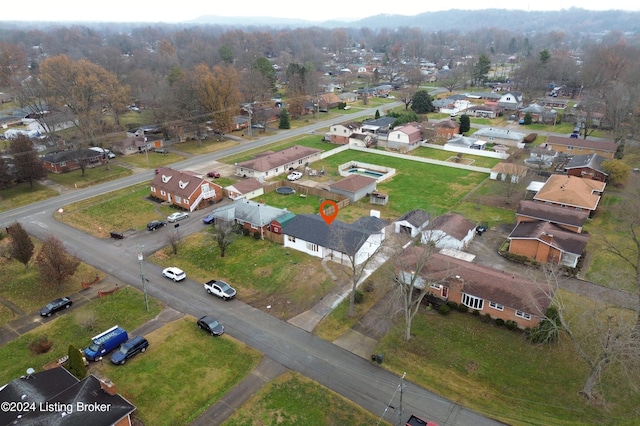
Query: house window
x=253 y=226
x=300 y=161
x=472 y=301
x=523 y=315
x=153 y=189
x=496 y=306
x=63 y=164
x=162 y=192
x=312 y=247
x=569 y=147
x=178 y=199
x=186 y=201
x=290 y=238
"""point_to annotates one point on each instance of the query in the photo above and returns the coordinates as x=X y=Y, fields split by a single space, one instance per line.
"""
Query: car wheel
x=212 y=333
x=199 y=326
x=143 y=349
x=67 y=307
x=208 y=291
x=174 y=279
x=123 y=361
x=49 y=314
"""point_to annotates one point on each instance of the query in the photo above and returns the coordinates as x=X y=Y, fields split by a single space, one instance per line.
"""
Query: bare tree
x=55 y=264
x=173 y=239
x=224 y=233
x=20 y=246
x=25 y=158
x=512 y=180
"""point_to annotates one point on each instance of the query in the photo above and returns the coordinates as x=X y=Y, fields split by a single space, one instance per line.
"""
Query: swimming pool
x=365 y=172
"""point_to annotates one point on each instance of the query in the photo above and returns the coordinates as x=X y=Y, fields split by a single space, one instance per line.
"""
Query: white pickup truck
x=220 y=289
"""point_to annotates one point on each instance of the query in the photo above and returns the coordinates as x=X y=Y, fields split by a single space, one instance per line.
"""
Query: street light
x=144 y=287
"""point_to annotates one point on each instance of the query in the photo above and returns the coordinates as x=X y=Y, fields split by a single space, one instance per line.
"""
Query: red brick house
x=571 y=192
x=447 y=128
x=184 y=189
x=341 y=133
x=569 y=219
x=489 y=291
x=66 y=161
x=587 y=166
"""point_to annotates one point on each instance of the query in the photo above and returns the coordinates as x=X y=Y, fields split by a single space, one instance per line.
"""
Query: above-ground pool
x=365 y=172
x=285 y=190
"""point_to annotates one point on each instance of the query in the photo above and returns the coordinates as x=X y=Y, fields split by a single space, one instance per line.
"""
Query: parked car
x=220 y=289
x=56 y=305
x=161 y=150
x=294 y=176
x=213 y=174
x=155 y=224
x=173 y=273
x=208 y=219
x=481 y=229
x=174 y=217
x=210 y=325
x=131 y=347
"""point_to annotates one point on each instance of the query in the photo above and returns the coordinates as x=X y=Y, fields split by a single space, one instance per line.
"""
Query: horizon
x=145 y=11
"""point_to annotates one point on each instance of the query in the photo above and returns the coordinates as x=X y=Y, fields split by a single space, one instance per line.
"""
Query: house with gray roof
x=569 y=219
x=270 y=164
x=71 y=159
x=449 y=231
x=249 y=214
x=587 y=166
x=338 y=241
x=412 y=223
x=500 y=136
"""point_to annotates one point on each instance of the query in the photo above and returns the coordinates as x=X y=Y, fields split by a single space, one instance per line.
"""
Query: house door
x=445 y=292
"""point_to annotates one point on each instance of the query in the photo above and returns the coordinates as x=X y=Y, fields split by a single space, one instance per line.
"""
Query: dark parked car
x=481 y=229
x=208 y=219
x=129 y=348
x=155 y=224
x=213 y=174
x=211 y=325
x=56 y=305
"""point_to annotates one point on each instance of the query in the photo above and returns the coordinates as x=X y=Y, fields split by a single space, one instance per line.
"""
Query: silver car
x=174 y=217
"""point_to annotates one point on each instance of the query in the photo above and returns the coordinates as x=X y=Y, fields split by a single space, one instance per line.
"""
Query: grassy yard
x=496 y=371
x=182 y=373
x=150 y=160
x=22 y=195
x=125 y=308
x=311 y=141
x=204 y=147
x=439 y=154
x=289 y=281
x=92 y=176
x=293 y=399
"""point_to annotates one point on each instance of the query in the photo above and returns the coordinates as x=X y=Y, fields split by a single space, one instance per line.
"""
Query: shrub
x=86 y=320
x=530 y=138
x=485 y=318
x=76 y=364
x=40 y=346
x=452 y=305
x=499 y=322
x=358 y=297
x=462 y=308
x=547 y=331
x=245 y=232
x=475 y=313
x=369 y=286
x=256 y=235
x=511 y=324
x=444 y=309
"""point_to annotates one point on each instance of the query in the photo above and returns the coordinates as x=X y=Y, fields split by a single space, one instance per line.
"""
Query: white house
x=339 y=241
x=450 y=231
x=271 y=164
x=412 y=223
x=405 y=138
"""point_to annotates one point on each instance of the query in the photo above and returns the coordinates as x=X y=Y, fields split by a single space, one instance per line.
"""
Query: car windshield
x=124 y=350
x=225 y=287
x=94 y=348
x=213 y=324
x=49 y=306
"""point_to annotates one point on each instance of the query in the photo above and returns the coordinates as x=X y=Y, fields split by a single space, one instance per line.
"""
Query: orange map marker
x=328 y=218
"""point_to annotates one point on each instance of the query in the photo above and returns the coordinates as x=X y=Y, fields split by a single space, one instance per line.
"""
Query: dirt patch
x=465 y=161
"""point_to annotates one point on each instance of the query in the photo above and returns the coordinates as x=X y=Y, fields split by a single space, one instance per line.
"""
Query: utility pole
x=400 y=406
x=144 y=286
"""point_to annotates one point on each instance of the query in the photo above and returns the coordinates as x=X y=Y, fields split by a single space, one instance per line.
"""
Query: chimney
x=547 y=237
x=108 y=386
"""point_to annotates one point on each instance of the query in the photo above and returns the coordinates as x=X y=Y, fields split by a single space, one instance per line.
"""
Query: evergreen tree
x=20 y=246
x=465 y=123
x=421 y=102
x=284 y=119
x=377 y=114
x=76 y=364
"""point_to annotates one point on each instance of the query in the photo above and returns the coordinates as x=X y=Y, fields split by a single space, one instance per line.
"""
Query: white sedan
x=174 y=217
x=173 y=273
x=294 y=176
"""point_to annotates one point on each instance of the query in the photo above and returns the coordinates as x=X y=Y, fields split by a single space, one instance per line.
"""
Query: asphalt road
x=361 y=381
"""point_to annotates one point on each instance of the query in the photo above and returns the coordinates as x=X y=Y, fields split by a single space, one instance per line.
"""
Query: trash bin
x=379 y=358
x=117 y=235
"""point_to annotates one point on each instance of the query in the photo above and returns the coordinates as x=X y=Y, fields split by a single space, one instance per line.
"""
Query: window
x=496 y=306
x=290 y=238
x=153 y=189
x=162 y=192
x=523 y=315
x=472 y=301
x=253 y=226
x=178 y=199
x=312 y=247
x=63 y=164
x=569 y=147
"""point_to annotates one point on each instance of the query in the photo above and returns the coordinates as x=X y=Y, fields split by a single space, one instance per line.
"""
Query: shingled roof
x=584 y=143
x=257 y=214
x=592 y=161
x=416 y=217
x=571 y=191
x=352 y=183
x=453 y=224
x=552 y=213
x=264 y=163
x=181 y=183
x=550 y=234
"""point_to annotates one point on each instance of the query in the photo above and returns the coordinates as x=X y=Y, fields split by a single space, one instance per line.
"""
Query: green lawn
x=149 y=160
x=92 y=176
x=294 y=400
x=22 y=195
x=125 y=308
x=439 y=154
x=204 y=147
x=311 y=141
x=183 y=372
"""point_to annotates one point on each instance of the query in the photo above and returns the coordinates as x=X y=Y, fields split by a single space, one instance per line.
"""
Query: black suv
x=155 y=224
x=129 y=348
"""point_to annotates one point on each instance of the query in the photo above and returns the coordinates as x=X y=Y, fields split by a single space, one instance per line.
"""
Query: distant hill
x=573 y=20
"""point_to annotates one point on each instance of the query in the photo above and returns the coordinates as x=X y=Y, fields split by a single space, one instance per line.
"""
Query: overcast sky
x=184 y=10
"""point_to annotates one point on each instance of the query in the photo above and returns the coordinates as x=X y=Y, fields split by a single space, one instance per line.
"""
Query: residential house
x=367 y=92
x=270 y=164
x=487 y=110
x=348 y=97
x=412 y=223
x=341 y=133
x=66 y=161
x=252 y=216
x=571 y=192
x=278 y=223
x=240 y=122
x=137 y=144
x=587 y=166
x=534 y=110
x=485 y=96
x=510 y=101
x=543 y=154
x=354 y=186
x=573 y=146
x=449 y=231
x=501 y=136
x=547 y=243
x=459 y=141
x=327 y=101
x=569 y=219
x=184 y=189
x=247 y=189
x=57 y=387
x=553 y=102
x=338 y=241
x=446 y=128
x=502 y=171
x=479 y=288
x=405 y=138
x=378 y=126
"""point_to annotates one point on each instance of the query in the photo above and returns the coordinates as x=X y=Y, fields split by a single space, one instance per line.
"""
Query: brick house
x=184 y=189
x=571 y=192
x=341 y=133
x=66 y=161
x=489 y=291
x=569 y=219
x=587 y=166
x=572 y=146
x=446 y=128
